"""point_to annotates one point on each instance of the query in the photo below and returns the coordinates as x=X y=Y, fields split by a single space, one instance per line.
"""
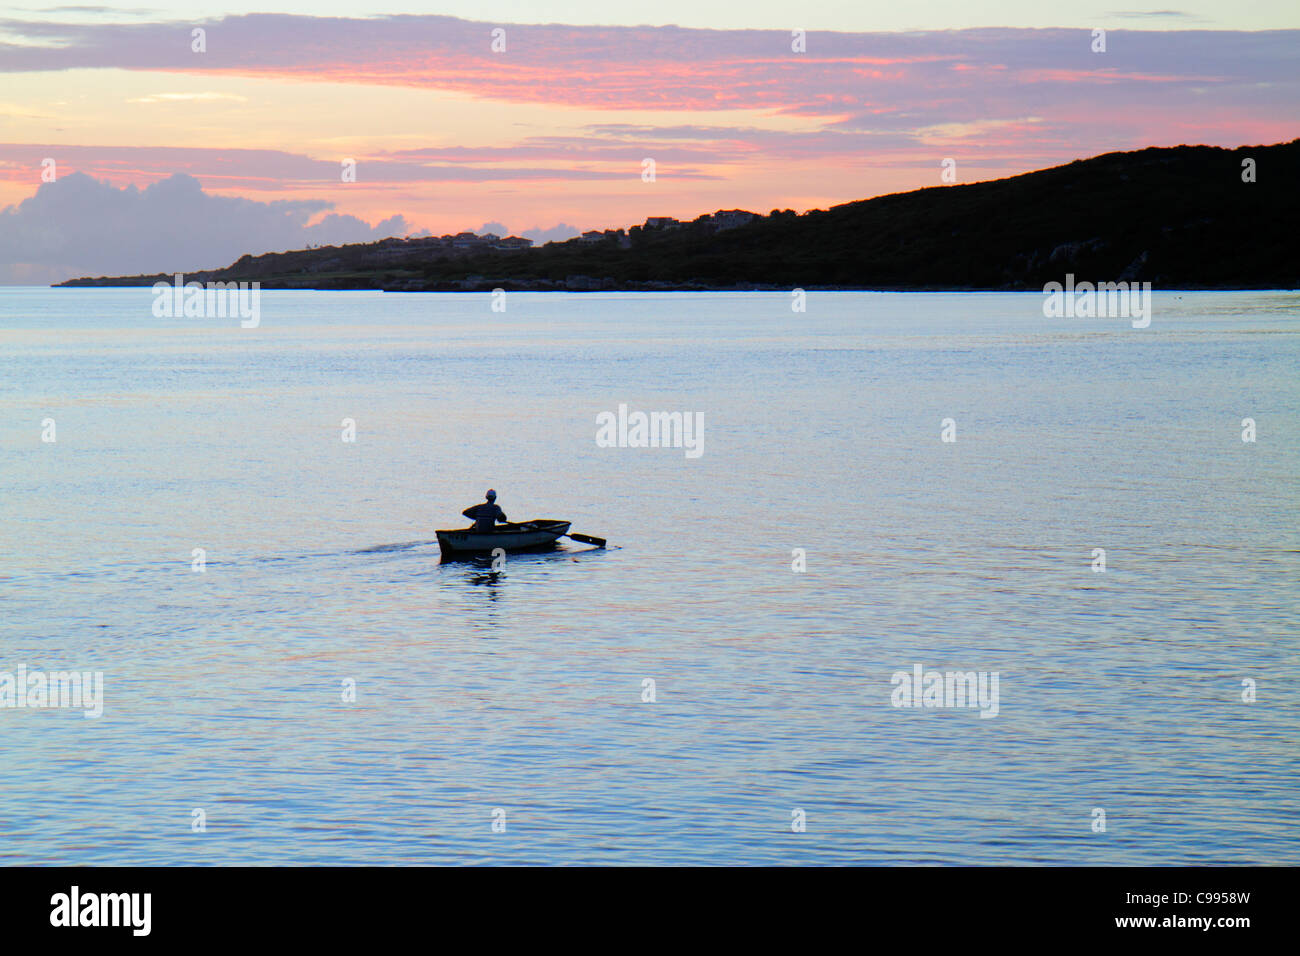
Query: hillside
x=1178 y=217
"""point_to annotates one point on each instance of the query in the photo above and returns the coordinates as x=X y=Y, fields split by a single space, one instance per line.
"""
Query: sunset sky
x=449 y=135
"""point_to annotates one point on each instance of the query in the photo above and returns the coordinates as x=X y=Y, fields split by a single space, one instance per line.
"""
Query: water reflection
x=490 y=579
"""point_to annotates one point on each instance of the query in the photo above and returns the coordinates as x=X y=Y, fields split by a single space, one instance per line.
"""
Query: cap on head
x=491 y=495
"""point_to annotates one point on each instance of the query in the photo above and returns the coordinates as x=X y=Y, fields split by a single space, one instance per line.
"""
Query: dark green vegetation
x=1180 y=218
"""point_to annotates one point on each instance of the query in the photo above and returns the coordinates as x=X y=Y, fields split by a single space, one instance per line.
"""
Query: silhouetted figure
x=487 y=514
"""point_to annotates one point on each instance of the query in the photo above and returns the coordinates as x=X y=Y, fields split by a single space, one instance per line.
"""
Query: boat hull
x=538 y=535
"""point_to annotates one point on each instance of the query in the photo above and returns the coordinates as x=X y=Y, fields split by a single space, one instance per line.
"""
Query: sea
x=231 y=532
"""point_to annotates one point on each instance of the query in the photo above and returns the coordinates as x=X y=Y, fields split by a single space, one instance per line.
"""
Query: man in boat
x=487 y=514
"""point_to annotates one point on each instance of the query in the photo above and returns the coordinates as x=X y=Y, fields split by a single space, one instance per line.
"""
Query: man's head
x=491 y=495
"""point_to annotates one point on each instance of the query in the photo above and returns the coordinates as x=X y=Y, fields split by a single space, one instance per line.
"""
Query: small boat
x=538 y=535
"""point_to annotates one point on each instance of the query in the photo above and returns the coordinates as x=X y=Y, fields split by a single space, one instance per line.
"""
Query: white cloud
x=557 y=233
x=80 y=226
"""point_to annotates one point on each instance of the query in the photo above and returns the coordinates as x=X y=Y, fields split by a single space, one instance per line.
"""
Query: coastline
x=1176 y=217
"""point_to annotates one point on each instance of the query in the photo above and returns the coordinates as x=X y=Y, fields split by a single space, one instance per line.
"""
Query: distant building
x=514 y=242
x=661 y=222
x=731 y=218
x=595 y=235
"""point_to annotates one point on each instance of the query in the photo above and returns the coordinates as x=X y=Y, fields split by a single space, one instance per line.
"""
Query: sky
x=164 y=158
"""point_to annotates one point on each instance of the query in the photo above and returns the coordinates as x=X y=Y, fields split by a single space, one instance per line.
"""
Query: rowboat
x=538 y=535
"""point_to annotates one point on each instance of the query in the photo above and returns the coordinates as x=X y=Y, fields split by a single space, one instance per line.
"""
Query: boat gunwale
x=542 y=533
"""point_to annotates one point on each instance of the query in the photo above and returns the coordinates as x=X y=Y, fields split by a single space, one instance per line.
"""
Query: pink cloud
x=672 y=68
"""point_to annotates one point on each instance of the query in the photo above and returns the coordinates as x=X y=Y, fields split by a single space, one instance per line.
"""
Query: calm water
x=522 y=690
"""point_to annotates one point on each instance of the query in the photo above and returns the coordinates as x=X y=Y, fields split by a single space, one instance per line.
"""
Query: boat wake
x=400 y=546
